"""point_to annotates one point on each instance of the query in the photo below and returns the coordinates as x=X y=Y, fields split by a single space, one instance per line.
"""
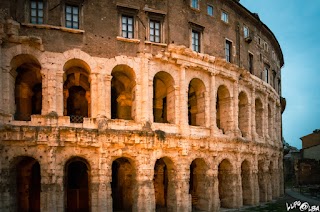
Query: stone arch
x=198 y=185
x=77 y=185
x=77 y=54
x=243 y=115
x=259 y=116
x=123 y=184
x=28 y=86
x=223 y=109
x=25 y=174
x=196 y=102
x=76 y=90
x=226 y=180
x=246 y=179
x=123 y=92
x=164 y=185
x=262 y=181
x=163 y=98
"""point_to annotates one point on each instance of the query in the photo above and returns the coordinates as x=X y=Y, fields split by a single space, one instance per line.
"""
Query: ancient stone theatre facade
x=144 y=105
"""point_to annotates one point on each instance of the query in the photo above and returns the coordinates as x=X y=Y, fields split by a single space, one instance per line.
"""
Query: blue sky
x=296 y=24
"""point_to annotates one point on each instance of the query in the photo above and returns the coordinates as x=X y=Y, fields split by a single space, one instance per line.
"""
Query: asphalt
x=303 y=198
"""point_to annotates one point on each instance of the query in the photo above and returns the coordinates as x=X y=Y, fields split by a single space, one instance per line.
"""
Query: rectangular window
x=72 y=16
x=195 y=4
x=224 y=17
x=195 y=41
x=36 y=12
x=228 y=50
x=245 y=31
x=266 y=74
x=210 y=10
x=155 y=31
x=251 y=63
x=127 y=26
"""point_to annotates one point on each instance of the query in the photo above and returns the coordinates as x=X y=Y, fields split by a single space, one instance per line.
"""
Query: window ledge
x=46 y=26
x=155 y=44
x=130 y=40
x=195 y=9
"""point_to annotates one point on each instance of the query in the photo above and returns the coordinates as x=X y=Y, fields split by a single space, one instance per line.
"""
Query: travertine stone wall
x=227 y=168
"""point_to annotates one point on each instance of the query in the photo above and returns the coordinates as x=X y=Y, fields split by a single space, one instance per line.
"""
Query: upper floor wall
x=123 y=27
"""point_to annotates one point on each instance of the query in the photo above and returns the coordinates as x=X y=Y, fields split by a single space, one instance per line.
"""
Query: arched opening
x=163 y=98
x=246 y=183
x=226 y=184
x=122 y=93
x=259 y=116
x=28 y=87
x=223 y=109
x=164 y=186
x=196 y=103
x=262 y=182
x=198 y=185
x=243 y=116
x=28 y=181
x=270 y=124
x=77 y=185
x=76 y=91
x=122 y=185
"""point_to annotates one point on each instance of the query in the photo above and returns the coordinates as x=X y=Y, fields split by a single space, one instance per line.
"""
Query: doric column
x=51 y=184
x=215 y=190
x=144 y=190
x=183 y=102
x=182 y=189
x=255 y=181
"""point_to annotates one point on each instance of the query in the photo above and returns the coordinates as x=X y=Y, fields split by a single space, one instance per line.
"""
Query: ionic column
x=101 y=93
x=183 y=102
x=107 y=96
x=1 y=84
x=8 y=93
x=145 y=98
x=94 y=95
x=52 y=84
x=59 y=93
x=213 y=102
x=151 y=100
x=236 y=108
x=253 y=115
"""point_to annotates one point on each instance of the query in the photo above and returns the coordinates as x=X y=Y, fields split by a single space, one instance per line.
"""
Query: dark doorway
x=122 y=185
x=28 y=185
x=77 y=187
